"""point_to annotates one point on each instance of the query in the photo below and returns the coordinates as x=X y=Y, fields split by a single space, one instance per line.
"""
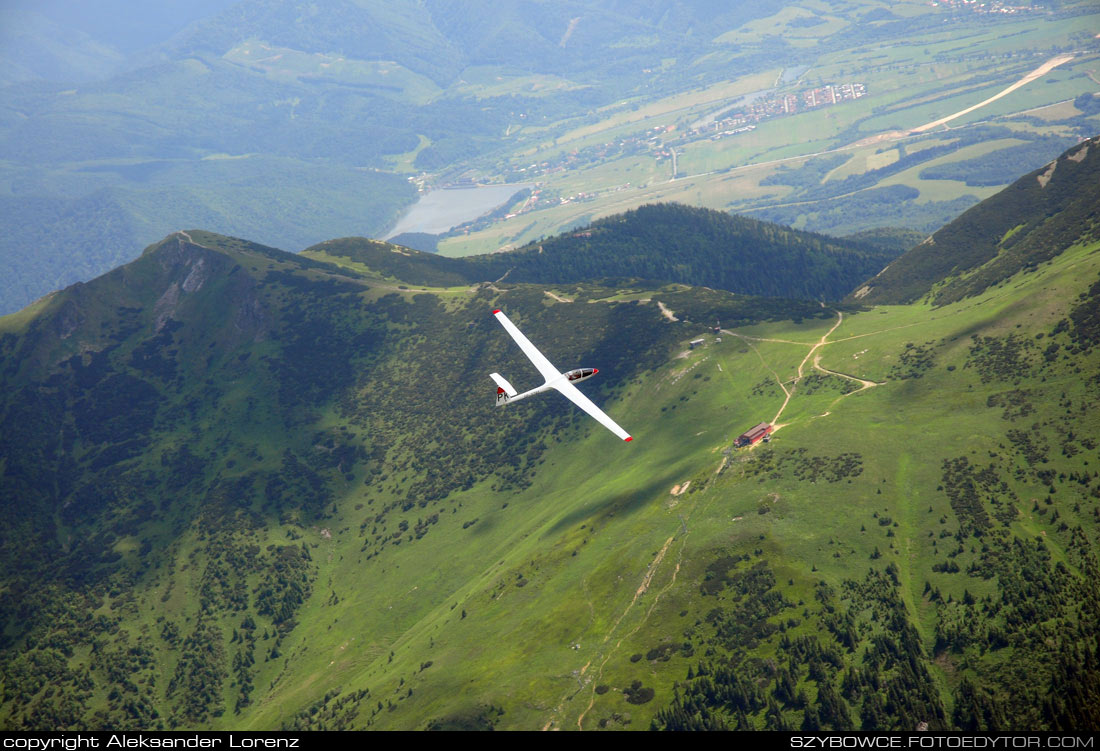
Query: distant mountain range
x=291 y=122
x=313 y=102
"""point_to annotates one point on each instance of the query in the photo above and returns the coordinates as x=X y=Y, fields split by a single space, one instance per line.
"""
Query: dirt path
x=181 y=232
x=551 y=295
x=816 y=364
x=882 y=331
x=821 y=342
x=704 y=501
x=592 y=670
x=763 y=339
x=668 y=313
x=749 y=341
x=647 y=580
x=866 y=383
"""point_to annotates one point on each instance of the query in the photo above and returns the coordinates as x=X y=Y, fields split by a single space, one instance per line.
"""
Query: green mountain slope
x=247 y=489
x=1027 y=223
x=668 y=242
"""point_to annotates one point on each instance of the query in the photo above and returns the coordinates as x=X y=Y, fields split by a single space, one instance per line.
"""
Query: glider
x=562 y=382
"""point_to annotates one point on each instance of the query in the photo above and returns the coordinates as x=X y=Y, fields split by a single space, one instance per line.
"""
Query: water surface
x=440 y=210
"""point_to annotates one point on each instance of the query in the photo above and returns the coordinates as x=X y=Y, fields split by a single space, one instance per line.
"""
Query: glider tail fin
x=504 y=389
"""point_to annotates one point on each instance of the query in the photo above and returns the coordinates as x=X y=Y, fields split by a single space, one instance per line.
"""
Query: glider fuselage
x=572 y=376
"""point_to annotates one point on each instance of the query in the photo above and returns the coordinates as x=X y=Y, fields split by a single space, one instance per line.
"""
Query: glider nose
x=595 y=371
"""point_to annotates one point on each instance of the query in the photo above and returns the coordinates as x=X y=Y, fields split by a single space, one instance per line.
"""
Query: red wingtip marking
x=629 y=438
x=496 y=311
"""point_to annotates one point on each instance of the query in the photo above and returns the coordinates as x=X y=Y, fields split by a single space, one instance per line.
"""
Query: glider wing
x=574 y=395
x=549 y=372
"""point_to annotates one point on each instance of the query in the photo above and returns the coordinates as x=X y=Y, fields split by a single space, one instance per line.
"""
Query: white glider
x=562 y=382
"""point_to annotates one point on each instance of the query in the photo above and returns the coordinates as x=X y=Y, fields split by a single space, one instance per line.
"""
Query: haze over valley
x=292 y=123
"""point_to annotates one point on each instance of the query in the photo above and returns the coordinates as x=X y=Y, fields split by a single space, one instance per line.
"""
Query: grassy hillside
x=245 y=489
x=1026 y=224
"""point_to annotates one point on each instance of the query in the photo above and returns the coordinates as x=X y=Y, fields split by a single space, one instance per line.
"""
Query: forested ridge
x=663 y=242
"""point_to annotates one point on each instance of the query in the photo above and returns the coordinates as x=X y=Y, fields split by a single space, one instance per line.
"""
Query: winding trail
x=816 y=364
x=866 y=383
x=824 y=338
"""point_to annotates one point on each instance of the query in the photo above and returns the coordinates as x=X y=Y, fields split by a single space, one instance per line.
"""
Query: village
x=983 y=7
x=787 y=104
x=661 y=141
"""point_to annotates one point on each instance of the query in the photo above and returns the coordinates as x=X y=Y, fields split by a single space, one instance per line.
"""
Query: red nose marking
x=595 y=371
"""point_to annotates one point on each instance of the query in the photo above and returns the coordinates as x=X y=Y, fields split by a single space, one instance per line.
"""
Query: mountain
x=255 y=345
x=33 y=46
x=667 y=242
x=321 y=116
x=1026 y=224
x=52 y=241
x=440 y=40
x=242 y=488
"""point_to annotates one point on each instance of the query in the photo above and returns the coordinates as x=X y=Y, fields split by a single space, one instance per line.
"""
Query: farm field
x=909 y=83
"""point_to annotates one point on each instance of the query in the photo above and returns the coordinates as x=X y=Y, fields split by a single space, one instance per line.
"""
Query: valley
x=291 y=129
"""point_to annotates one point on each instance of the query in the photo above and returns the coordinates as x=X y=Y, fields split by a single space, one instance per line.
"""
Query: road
x=1042 y=70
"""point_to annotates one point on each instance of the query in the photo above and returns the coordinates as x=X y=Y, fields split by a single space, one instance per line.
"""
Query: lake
x=440 y=210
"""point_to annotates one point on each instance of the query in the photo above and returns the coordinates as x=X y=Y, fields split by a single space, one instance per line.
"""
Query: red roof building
x=754 y=435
